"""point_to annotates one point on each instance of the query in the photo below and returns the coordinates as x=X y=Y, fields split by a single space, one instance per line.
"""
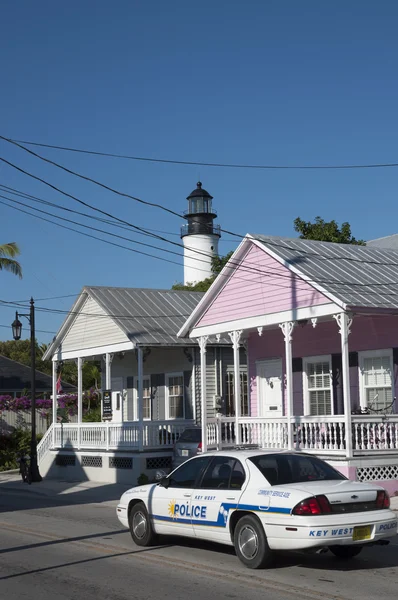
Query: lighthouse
x=199 y=235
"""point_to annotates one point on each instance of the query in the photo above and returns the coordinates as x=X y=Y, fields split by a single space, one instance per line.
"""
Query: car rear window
x=291 y=468
x=191 y=435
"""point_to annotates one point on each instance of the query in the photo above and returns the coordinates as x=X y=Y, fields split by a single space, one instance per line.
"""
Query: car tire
x=345 y=552
x=141 y=529
x=251 y=544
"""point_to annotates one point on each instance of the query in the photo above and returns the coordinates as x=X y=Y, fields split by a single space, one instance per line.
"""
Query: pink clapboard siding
x=367 y=333
x=250 y=293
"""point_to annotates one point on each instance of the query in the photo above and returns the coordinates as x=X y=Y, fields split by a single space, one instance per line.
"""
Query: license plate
x=362 y=533
x=184 y=452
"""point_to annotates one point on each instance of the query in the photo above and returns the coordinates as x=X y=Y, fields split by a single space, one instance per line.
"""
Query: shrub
x=12 y=446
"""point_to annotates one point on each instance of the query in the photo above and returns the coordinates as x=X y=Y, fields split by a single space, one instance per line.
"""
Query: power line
x=244 y=269
x=205 y=164
x=247 y=269
x=318 y=256
x=43 y=299
x=98 y=209
x=237 y=235
x=37 y=330
x=91 y=236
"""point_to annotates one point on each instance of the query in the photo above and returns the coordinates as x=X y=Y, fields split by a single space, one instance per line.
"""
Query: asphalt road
x=54 y=548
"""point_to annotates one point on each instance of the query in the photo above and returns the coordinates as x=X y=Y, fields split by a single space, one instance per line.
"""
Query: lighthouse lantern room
x=199 y=235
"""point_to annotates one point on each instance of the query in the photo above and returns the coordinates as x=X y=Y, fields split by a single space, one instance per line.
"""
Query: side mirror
x=160 y=475
x=164 y=482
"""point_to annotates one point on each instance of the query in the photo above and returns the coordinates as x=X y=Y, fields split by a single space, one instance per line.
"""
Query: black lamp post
x=16 y=332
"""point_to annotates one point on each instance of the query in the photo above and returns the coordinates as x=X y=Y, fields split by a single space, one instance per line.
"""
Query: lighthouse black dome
x=199 y=191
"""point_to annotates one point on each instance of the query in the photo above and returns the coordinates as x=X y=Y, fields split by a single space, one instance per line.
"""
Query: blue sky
x=260 y=82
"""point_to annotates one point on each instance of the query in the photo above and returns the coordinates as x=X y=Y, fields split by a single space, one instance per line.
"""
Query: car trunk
x=343 y=496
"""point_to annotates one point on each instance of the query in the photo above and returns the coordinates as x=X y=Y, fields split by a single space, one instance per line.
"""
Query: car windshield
x=190 y=435
x=280 y=469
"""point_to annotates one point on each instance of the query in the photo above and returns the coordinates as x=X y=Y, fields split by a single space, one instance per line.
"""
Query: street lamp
x=16 y=332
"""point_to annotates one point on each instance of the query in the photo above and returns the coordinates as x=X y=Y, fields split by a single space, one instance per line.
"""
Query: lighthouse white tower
x=199 y=235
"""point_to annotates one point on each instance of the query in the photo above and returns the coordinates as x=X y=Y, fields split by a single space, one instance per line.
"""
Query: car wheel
x=251 y=544
x=345 y=551
x=140 y=526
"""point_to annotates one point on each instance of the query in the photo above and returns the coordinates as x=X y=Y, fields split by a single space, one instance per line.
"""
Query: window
x=290 y=468
x=146 y=398
x=223 y=473
x=376 y=379
x=189 y=472
x=317 y=385
x=230 y=394
x=175 y=396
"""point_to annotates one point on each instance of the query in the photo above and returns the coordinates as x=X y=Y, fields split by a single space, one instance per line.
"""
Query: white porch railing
x=113 y=436
x=318 y=434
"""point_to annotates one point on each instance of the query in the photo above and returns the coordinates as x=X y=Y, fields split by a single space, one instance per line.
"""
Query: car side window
x=223 y=473
x=188 y=473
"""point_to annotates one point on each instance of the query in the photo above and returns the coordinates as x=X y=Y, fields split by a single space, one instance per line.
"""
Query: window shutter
x=297 y=364
x=188 y=395
x=159 y=396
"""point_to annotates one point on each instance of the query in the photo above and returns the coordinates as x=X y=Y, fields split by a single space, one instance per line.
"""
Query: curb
x=10 y=472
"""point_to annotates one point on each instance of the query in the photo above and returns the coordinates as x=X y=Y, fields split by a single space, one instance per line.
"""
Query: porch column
x=287 y=329
x=202 y=341
x=235 y=339
x=80 y=362
x=140 y=361
x=344 y=322
x=108 y=372
x=55 y=400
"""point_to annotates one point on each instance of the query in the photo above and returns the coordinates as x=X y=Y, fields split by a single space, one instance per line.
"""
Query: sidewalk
x=91 y=491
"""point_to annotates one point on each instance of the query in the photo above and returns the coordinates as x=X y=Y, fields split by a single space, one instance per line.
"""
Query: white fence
x=320 y=434
x=10 y=420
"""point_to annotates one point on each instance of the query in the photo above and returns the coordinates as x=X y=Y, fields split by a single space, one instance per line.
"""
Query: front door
x=269 y=387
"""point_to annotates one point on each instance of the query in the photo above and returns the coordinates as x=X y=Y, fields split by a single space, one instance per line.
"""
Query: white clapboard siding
x=90 y=331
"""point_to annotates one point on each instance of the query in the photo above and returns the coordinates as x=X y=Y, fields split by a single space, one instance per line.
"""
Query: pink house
x=319 y=322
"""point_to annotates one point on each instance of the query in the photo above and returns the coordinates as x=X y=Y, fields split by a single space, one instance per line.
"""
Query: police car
x=258 y=502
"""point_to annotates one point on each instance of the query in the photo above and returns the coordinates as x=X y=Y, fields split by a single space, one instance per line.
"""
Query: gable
x=261 y=285
x=92 y=328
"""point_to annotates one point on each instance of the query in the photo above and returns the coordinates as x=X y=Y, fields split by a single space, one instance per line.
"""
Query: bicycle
x=24 y=469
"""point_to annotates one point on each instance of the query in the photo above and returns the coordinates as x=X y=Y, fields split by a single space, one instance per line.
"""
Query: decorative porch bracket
x=344 y=322
x=287 y=330
x=235 y=339
x=202 y=341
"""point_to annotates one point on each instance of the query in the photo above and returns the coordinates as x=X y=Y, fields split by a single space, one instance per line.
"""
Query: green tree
x=8 y=252
x=217 y=265
x=326 y=231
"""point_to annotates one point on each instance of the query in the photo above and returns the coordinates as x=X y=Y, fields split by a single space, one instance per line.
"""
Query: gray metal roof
x=389 y=242
x=147 y=316
x=359 y=276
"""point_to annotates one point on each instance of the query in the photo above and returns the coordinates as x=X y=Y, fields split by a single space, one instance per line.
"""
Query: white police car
x=261 y=501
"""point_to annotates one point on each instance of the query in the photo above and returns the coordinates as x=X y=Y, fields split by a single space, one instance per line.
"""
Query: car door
x=216 y=495
x=170 y=501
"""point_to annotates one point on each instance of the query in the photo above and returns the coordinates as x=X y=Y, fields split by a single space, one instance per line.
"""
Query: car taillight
x=317 y=505
x=200 y=447
x=383 y=500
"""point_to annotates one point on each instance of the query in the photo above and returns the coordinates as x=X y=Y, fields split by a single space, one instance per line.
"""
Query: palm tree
x=7 y=263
